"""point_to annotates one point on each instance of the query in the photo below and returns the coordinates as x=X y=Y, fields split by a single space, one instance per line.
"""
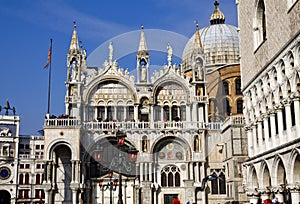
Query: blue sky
x=27 y=26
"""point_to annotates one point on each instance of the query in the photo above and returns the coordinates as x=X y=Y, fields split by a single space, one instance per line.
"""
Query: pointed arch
x=265 y=175
x=252 y=178
x=278 y=172
x=294 y=167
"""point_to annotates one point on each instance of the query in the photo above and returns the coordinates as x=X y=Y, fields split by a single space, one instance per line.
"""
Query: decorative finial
x=217 y=17
x=142 y=27
x=197 y=25
x=217 y=3
x=74 y=25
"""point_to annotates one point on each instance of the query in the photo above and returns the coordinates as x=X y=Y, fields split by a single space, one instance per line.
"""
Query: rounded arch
x=5 y=196
x=102 y=79
x=165 y=139
x=103 y=139
x=51 y=147
x=173 y=80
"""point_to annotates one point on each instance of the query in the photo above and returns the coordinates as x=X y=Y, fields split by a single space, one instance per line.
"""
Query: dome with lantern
x=220 y=42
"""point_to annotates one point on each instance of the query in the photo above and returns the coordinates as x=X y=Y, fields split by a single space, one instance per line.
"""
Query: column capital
x=278 y=189
x=278 y=107
x=271 y=112
x=263 y=191
x=286 y=102
x=248 y=128
x=294 y=187
x=295 y=95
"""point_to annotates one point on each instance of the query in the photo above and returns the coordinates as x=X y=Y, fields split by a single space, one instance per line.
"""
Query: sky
x=28 y=25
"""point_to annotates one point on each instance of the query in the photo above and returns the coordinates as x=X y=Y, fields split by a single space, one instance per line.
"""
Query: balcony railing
x=106 y=126
x=62 y=123
x=233 y=120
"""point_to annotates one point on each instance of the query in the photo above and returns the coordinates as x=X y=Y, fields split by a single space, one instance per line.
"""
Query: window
x=27 y=178
x=21 y=178
x=238 y=86
x=219 y=185
x=38 y=179
x=239 y=106
x=260 y=24
x=226 y=87
x=228 y=108
x=170 y=176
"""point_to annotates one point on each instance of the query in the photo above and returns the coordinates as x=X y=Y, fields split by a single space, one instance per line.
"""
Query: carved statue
x=111 y=53
x=170 y=53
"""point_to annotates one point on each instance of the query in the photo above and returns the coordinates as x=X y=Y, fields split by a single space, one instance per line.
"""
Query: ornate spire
x=74 y=43
x=217 y=17
x=197 y=42
x=142 y=45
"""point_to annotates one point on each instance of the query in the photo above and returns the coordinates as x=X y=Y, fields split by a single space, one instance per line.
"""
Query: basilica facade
x=184 y=121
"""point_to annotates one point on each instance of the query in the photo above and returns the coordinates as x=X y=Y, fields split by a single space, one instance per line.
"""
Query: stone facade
x=269 y=43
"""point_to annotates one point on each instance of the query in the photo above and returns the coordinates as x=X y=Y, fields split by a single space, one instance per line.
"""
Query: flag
x=49 y=56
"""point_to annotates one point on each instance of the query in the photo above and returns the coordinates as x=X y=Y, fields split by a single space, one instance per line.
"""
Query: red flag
x=49 y=56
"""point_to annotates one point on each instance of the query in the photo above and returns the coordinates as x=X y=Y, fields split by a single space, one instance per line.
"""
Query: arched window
x=170 y=176
x=222 y=183
x=214 y=186
x=27 y=178
x=260 y=23
x=238 y=86
x=239 y=106
x=228 y=108
x=38 y=179
x=21 y=179
x=218 y=185
x=163 y=179
x=226 y=87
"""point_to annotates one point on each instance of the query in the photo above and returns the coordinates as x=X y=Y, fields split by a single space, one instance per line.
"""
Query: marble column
x=288 y=116
x=278 y=109
x=273 y=126
x=260 y=134
x=297 y=111
x=248 y=131
x=295 y=193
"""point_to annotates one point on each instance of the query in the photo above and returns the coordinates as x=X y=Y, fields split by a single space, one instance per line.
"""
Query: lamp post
x=132 y=155
x=111 y=186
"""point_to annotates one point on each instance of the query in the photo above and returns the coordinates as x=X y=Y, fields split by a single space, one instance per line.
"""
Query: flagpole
x=49 y=80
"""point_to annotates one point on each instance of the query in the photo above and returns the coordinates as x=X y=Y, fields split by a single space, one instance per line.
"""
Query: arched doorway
x=62 y=174
x=4 y=197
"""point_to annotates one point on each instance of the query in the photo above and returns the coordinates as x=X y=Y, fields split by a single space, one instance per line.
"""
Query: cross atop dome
x=217 y=17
